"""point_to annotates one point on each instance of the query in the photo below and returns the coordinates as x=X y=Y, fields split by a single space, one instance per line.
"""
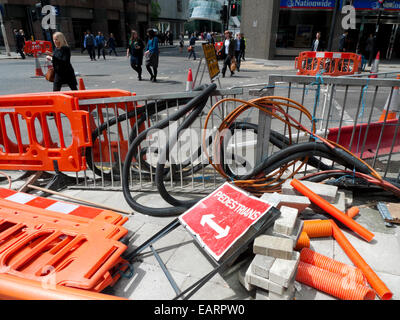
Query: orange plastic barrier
x=328 y=63
x=303 y=241
x=326 y=263
x=14 y=288
x=36 y=48
x=376 y=283
x=27 y=141
x=102 y=151
x=332 y=210
x=318 y=228
x=32 y=200
x=332 y=283
x=77 y=251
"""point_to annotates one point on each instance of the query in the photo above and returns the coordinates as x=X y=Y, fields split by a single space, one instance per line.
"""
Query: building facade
x=279 y=28
x=173 y=15
x=74 y=17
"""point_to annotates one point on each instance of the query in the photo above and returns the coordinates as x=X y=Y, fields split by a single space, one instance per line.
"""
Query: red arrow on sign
x=208 y=219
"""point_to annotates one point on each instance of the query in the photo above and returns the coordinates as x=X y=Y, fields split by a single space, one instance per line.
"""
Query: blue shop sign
x=308 y=4
x=388 y=5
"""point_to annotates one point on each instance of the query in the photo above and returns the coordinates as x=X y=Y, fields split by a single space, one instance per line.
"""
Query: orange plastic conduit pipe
x=333 y=211
x=14 y=288
x=323 y=262
x=303 y=241
x=332 y=283
x=372 y=278
x=317 y=228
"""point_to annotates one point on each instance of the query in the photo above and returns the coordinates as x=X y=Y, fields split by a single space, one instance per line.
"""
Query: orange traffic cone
x=81 y=84
x=375 y=66
x=38 y=68
x=392 y=105
x=189 y=83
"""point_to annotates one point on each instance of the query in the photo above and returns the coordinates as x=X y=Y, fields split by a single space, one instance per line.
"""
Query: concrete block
x=327 y=192
x=262 y=294
x=261 y=265
x=264 y=283
x=286 y=221
x=339 y=203
x=288 y=294
x=293 y=201
x=276 y=247
x=298 y=228
x=244 y=277
x=283 y=271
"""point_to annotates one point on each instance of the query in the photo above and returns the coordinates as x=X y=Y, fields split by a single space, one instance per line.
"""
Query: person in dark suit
x=20 y=39
x=343 y=42
x=228 y=52
x=370 y=48
x=317 y=44
x=61 y=57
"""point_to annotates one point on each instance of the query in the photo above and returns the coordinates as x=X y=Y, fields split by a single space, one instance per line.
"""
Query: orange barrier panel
x=102 y=151
x=327 y=63
x=76 y=250
x=27 y=138
x=332 y=283
x=38 y=47
x=303 y=241
x=62 y=207
x=332 y=210
x=14 y=288
x=318 y=228
x=326 y=263
x=372 y=278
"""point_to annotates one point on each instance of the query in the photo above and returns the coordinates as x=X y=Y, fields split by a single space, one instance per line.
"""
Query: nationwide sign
x=218 y=221
x=308 y=4
x=388 y=5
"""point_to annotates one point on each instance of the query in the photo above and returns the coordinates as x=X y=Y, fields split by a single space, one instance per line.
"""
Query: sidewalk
x=187 y=264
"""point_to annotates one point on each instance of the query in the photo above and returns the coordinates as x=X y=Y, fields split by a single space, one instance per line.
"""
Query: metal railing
x=105 y=160
x=350 y=106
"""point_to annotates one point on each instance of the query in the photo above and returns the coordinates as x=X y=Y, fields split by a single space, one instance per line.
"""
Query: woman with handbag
x=135 y=50
x=61 y=58
x=151 y=55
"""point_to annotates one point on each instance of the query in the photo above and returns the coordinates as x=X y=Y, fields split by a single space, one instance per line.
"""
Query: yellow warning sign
x=211 y=59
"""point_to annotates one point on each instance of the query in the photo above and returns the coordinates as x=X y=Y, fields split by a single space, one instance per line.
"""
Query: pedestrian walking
x=20 y=39
x=181 y=42
x=191 y=48
x=171 y=38
x=317 y=44
x=239 y=44
x=90 y=44
x=228 y=53
x=111 y=44
x=244 y=47
x=370 y=49
x=135 y=51
x=83 y=43
x=343 y=42
x=100 y=42
x=151 y=55
x=61 y=58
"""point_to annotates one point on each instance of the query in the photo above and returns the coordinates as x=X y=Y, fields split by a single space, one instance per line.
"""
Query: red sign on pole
x=223 y=217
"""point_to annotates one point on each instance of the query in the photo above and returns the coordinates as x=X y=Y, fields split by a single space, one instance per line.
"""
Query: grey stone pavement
x=187 y=263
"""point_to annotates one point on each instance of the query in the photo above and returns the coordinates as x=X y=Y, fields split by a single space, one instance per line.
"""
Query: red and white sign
x=224 y=216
